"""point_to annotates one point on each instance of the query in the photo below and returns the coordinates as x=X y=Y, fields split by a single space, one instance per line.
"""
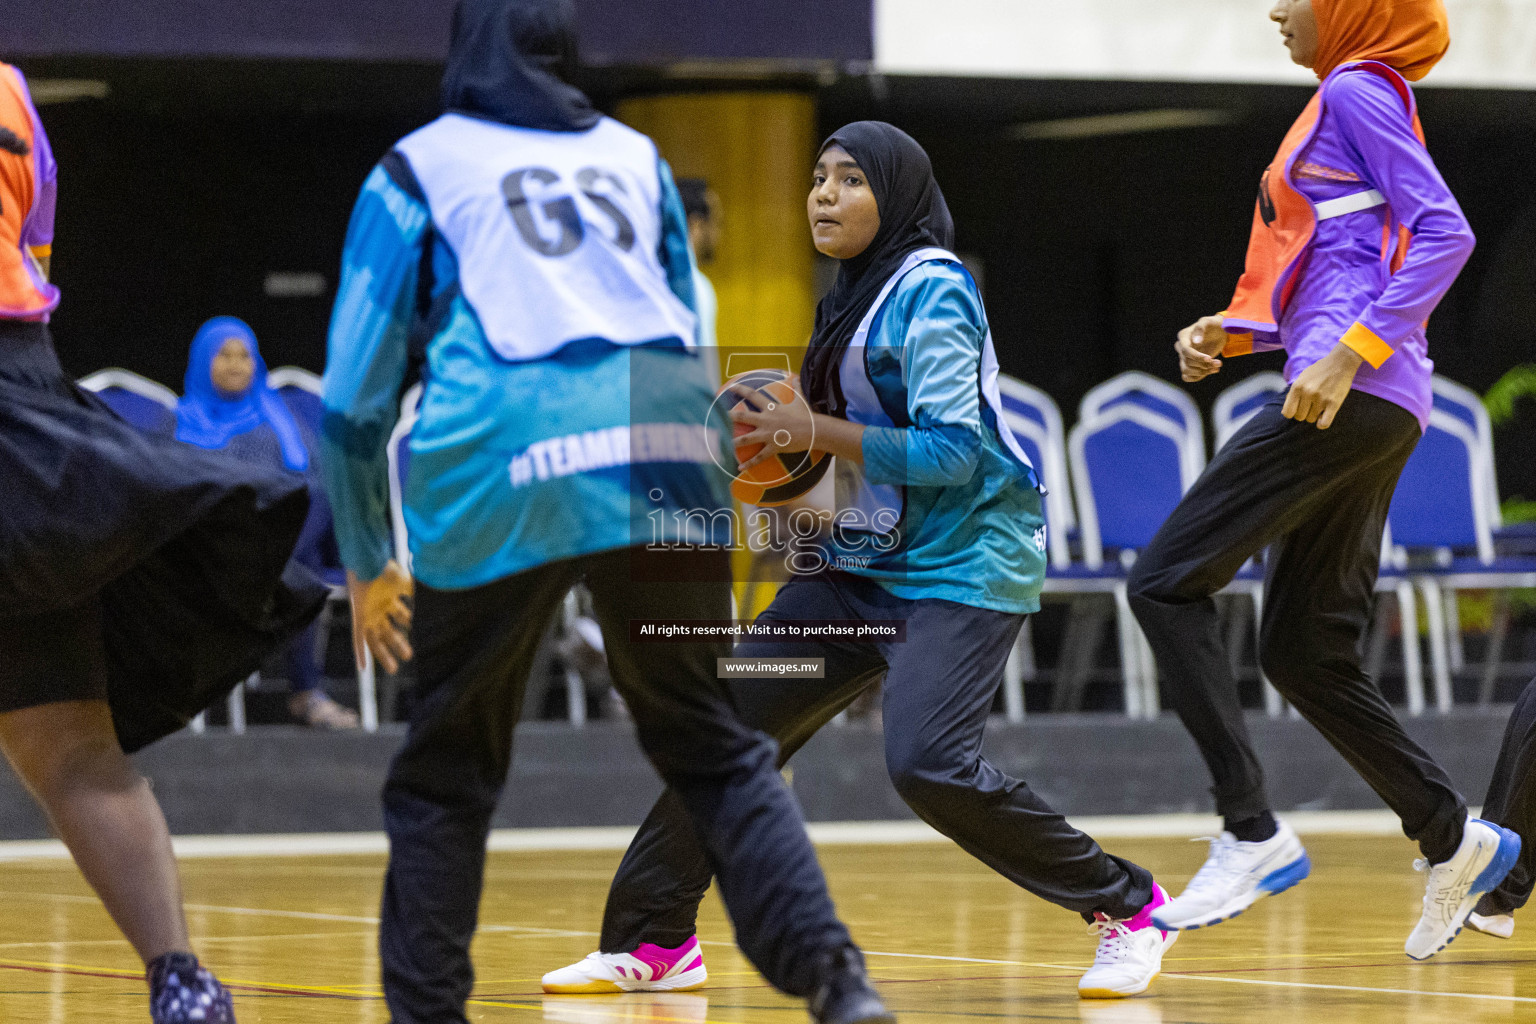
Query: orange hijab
x=1408 y=35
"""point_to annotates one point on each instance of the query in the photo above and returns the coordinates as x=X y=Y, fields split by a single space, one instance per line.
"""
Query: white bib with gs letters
x=556 y=233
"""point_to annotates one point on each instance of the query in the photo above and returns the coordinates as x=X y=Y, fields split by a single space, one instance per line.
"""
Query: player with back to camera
x=140 y=578
x=939 y=525
x=537 y=253
x=1311 y=475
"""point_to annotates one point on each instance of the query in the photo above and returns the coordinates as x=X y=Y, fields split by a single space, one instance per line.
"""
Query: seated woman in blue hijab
x=229 y=406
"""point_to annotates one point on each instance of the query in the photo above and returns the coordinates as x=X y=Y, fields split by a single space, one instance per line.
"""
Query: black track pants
x=939 y=688
x=473 y=652
x=1318 y=500
x=1512 y=803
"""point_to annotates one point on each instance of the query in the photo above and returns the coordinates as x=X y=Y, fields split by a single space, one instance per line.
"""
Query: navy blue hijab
x=913 y=215
x=509 y=61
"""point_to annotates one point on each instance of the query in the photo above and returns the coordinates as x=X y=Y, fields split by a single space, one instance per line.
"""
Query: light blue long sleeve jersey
x=972 y=529
x=512 y=463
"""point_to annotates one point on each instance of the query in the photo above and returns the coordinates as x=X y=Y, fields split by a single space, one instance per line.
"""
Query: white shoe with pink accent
x=650 y=968
x=1130 y=953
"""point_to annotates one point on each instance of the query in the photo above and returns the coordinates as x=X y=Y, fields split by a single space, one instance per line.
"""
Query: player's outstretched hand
x=381 y=616
x=1198 y=346
x=1318 y=391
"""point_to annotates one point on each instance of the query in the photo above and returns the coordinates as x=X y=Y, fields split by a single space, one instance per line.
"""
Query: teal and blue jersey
x=513 y=463
x=971 y=526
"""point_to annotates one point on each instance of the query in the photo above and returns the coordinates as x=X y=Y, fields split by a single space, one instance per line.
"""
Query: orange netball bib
x=1284 y=222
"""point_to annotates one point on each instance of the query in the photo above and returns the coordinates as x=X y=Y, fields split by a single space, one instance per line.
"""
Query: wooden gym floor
x=949 y=941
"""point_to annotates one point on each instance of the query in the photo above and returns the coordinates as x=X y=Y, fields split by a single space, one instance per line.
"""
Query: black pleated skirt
x=164 y=568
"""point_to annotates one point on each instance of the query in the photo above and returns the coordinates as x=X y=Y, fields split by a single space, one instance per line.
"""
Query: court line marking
x=1077 y=968
x=532 y=931
x=202 y=940
x=269 y=988
x=967 y=960
x=119 y=974
x=1247 y=981
x=351 y=992
x=1354 y=988
x=562 y=933
x=823 y=833
x=577 y=1006
x=311 y=915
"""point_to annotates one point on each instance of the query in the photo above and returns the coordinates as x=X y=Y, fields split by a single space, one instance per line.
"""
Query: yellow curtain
x=755 y=150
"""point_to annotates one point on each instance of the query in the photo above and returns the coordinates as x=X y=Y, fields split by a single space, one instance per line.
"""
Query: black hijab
x=913 y=215
x=509 y=61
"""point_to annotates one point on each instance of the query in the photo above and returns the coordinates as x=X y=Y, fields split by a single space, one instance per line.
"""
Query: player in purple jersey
x=1310 y=477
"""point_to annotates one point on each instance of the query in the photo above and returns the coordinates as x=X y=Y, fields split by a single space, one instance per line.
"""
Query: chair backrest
x=144 y=403
x=399 y=465
x=1466 y=405
x=1136 y=388
x=1036 y=422
x=300 y=390
x=1130 y=467
x=1239 y=403
x=1441 y=497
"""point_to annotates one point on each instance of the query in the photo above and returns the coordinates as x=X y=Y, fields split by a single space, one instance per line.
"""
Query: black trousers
x=939 y=688
x=1318 y=499
x=1512 y=803
x=473 y=651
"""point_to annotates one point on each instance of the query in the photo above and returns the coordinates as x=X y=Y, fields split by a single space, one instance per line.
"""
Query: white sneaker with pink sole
x=1130 y=953
x=650 y=968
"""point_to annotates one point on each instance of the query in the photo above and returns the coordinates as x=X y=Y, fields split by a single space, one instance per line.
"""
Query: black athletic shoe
x=182 y=991
x=845 y=995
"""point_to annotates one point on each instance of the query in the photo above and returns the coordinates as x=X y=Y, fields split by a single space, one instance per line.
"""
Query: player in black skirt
x=140 y=578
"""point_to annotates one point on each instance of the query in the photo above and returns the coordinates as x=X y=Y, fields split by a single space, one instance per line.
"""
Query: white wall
x=1493 y=42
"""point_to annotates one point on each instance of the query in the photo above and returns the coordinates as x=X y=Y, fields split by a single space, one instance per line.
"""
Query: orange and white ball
x=784 y=477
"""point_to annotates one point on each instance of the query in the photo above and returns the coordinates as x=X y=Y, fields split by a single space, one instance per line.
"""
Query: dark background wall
x=612 y=31
x=1096 y=251
x=195 y=179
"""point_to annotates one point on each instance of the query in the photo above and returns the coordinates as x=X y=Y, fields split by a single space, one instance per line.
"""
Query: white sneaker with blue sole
x=1486 y=854
x=1234 y=877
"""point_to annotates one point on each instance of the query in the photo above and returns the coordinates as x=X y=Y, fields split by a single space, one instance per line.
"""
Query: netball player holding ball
x=939 y=526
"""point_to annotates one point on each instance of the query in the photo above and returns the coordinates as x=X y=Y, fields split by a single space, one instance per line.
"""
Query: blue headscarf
x=206 y=418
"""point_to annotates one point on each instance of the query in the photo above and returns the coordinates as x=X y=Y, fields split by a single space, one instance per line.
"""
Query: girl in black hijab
x=938 y=527
x=911 y=215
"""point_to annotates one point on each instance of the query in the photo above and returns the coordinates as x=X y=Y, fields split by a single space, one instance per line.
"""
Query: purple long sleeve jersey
x=1366 y=140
